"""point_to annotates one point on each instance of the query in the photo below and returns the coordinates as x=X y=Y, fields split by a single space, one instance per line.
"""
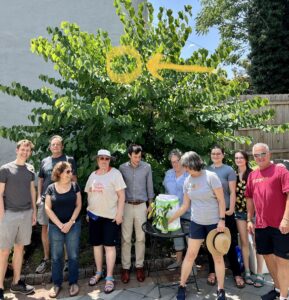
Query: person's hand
x=229 y=212
x=221 y=226
x=38 y=201
x=66 y=227
x=149 y=209
x=34 y=217
x=251 y=227
x=284 y=226
x=118 y=219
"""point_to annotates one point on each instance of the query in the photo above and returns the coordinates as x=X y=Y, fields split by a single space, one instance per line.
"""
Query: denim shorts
x=42 y=218
x=241 y=216
x=200 y=232
x=15 y=228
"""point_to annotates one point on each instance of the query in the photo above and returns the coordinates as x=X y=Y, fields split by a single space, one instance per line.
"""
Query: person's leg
x=242 y=229
x=4 y=255
x=282 y=265
x=140 y=217
x=72 y=247
x=56 y=240
x=17 y=261
x=126 y=236
x=187 y=265
x=220 y=270
x=110 y=255
x=45 y=241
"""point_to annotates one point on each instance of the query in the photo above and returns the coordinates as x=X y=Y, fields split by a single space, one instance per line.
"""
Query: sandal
x=259 y=281
x=211 y=280
x=248 y=278
x=239 y=281
x=95 y=279
x=109 y=284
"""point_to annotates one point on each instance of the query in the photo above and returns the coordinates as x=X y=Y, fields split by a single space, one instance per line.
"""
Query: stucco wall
x=22 y=20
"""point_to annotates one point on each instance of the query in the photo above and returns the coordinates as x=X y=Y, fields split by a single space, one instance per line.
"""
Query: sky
x=209 y=41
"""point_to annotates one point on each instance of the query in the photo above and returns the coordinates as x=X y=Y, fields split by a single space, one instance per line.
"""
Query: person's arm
x=50 y=213
x=250 y=215
x=2 y=189
x=67 y=226
x=150 y=189
x=222 y=207
x=284 y=225
x=39 y=189
x=185 y=206
x=232 y=189
x=33 y=202
x=120 y=206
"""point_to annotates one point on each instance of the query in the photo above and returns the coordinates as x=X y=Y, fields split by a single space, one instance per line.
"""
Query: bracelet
x=249 y=221
x=222 y=219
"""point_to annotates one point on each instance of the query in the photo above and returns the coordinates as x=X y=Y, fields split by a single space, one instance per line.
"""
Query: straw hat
x=218 y=243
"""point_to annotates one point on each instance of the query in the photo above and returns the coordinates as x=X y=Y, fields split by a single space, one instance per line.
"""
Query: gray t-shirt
x=226 y=174
x=17 y=179
x=47 y=165
x=204 y=204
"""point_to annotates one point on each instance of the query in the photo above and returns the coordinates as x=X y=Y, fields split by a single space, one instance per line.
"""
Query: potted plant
x=159 y=215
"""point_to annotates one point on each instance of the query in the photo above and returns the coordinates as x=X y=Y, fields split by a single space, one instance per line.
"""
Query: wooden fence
x=278 y=143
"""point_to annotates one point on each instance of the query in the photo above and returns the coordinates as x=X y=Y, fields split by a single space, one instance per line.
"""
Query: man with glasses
x=137 y=175
x=267 y=195
x=44 y=180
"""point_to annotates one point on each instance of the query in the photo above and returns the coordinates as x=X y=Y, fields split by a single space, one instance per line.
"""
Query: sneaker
x=271 y=295
x=221 y=294
x=42 y=267
x=174 y=265
x=65 y=268
x=22 y=288
x=181 y=294
x=1 y=294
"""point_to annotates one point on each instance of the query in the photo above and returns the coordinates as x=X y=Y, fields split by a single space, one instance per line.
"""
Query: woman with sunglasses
x=243 y=171
x=63 y=205
x=105 y=196
x=228 y=178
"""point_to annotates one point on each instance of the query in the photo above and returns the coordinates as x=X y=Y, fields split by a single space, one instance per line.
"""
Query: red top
x=268 y=188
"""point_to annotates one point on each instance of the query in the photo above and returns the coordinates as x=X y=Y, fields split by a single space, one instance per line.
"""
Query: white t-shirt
x=204 y=204
x=103 y=202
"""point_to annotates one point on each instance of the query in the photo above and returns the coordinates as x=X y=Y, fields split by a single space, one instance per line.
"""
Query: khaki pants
x=133 y=218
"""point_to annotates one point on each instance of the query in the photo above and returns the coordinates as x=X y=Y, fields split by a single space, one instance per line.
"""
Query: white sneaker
x=174 y=265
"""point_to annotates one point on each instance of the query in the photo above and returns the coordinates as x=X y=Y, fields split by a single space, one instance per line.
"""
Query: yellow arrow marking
x=154 y=64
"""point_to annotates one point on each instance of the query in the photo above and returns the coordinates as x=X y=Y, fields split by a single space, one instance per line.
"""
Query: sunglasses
x=68 y=171
x=104 y=158
x=260 y=155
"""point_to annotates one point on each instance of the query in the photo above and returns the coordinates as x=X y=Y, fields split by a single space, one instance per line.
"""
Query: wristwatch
x=220 y=218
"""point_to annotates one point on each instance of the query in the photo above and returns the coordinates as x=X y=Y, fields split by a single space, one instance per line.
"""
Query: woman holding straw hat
x=203 y=193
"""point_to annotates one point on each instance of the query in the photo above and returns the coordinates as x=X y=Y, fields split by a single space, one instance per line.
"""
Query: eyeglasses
x=239 y=157
x=174 y=162
x=104 y=158
x=68 y=171
x=260 y=155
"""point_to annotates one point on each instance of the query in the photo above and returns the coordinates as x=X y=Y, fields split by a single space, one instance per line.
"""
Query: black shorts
x=104 y=232
x=200 y=232
x=270 y=240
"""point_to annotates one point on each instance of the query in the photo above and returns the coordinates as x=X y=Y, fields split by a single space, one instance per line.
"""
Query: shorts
x=104 y=232
x=241 y=216
x=15 y=228
x=270 y=240
x=179 y=243
x=200 y=232
x=42 y=218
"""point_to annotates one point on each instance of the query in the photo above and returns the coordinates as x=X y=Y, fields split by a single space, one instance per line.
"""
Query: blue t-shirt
x=175 y=186
x=63 y=205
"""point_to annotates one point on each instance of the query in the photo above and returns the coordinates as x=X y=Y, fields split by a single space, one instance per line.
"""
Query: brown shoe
x=73 y=290
x=54 y=291
x=140 y=276
x=125 y=275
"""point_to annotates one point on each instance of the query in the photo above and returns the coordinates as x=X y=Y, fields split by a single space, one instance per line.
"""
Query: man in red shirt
x=267 y=194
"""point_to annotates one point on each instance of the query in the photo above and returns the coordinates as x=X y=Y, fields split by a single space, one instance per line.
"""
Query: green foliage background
x=185 y=110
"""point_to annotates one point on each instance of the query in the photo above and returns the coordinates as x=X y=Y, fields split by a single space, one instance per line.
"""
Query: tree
x=259 y=29
x=268 y=32
x=185 y=110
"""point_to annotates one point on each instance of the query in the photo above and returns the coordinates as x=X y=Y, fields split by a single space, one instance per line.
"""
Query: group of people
x=212 y=199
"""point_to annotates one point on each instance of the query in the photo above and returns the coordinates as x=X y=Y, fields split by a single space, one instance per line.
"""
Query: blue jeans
x=57 y=240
